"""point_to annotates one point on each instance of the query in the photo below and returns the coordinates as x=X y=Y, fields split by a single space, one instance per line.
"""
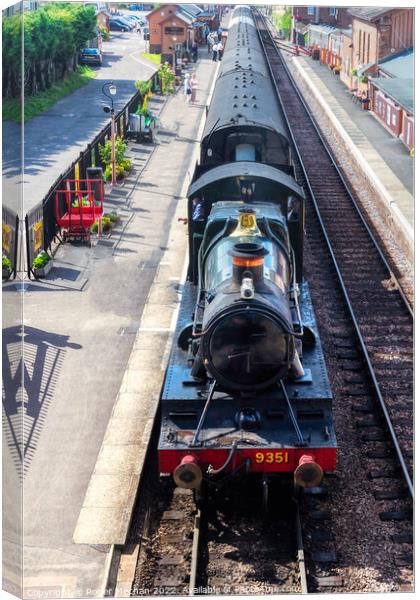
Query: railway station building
x=171 y=27
x=392 y=95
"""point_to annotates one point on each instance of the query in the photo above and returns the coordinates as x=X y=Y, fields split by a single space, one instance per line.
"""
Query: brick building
x=392 y=95
x=302 y=16
x=171 y=28
x=379 y=32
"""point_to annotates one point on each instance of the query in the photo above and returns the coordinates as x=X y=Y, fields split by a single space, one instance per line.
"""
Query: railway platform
x=102 y=308
x=384 y=160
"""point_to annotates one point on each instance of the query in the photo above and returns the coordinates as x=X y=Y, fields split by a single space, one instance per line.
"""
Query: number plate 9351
x=269 y=458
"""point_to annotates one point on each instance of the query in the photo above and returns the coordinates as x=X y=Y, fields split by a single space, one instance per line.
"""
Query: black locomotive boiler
x=246 y=389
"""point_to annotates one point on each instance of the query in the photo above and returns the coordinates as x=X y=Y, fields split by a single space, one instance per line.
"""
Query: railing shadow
x=31 y=363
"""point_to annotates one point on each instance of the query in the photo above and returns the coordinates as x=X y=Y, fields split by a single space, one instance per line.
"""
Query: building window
x=174 y=30
x=333 y=12
x=311 y=10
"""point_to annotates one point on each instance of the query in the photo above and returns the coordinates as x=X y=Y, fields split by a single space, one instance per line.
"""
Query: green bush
x=166 y=78
x=105 y=33
x=143 y=87
x=53 y=35
x=122 y=164
x=6 y=262
x=114 y=218
x=105 y=151
x=85 y=202
x=41 y=260
x=106 y=225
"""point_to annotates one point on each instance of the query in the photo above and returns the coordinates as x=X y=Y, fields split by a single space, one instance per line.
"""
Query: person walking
x=215 y=51
x=193 y=86
x=187 y=87
x=219 y=33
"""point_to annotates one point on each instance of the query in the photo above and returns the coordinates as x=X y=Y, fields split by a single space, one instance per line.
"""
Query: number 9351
x=272 y=457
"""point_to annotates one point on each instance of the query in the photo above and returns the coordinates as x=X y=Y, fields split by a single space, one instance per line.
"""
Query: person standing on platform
x=220 y=49
x=193 y=86
x=210 y=42
x=206 y=33
x=215 y=51
x=187 y=87
x=194 y=52
x=219 y=34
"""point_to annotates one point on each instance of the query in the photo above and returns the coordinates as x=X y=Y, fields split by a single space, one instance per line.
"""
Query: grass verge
x=34 y=105
x=155 y=58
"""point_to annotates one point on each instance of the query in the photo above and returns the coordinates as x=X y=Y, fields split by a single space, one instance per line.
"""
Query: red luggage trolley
x=78 y=206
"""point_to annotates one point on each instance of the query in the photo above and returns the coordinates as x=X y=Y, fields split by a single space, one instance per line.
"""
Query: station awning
x=248 y=170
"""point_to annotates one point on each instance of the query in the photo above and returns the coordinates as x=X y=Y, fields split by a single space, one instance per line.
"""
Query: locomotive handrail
x=365 y=352
x=212 y=388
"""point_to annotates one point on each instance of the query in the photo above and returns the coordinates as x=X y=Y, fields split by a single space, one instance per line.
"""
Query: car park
x=90 y=56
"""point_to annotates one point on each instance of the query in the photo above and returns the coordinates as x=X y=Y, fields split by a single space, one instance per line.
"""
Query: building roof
x=184 y=17
x=368 y=13
x=400 y=90
x=399 y=65
x=191 y=9
x=326 y=29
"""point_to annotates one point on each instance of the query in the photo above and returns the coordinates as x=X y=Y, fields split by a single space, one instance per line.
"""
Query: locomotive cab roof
x=265 y=175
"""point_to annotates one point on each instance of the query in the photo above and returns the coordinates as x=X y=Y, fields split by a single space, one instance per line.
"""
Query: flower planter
x=6 y=272
x=43 y=272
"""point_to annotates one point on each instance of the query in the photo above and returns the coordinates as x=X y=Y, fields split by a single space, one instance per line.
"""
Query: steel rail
x=192 y=586
x=365 y=352
x=301 y=552
x=343 y=181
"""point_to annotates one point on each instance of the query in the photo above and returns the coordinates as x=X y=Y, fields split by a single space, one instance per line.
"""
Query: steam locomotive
x=246 y=389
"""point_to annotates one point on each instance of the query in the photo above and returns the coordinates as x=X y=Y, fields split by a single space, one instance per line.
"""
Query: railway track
x=370 y=326
x=227 y=547
x=380 y=312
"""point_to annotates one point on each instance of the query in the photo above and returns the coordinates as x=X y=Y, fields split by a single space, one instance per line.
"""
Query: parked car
x=140 y=20
x=115 y=25
x=131 y=24
x=90 y=56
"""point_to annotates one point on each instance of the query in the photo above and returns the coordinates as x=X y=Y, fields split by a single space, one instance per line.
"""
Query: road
x=54 y=139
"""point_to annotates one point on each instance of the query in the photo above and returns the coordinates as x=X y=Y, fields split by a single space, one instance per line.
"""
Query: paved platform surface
x=54 y=139
x=386 y=154
x=81 y=324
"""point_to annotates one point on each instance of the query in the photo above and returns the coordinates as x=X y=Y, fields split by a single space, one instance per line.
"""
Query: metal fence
x=40 y=222
x=10 y=237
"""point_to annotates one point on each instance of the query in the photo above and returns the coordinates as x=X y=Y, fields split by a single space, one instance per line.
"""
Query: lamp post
x=112 y=90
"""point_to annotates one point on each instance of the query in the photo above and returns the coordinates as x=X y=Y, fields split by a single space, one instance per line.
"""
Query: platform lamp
x=112 y=90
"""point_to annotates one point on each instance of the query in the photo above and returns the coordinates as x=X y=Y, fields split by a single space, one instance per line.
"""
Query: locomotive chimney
x=248 y=263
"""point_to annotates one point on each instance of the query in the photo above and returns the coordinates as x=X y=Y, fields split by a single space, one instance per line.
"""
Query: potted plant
x=42 y=264
x=6 y=267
